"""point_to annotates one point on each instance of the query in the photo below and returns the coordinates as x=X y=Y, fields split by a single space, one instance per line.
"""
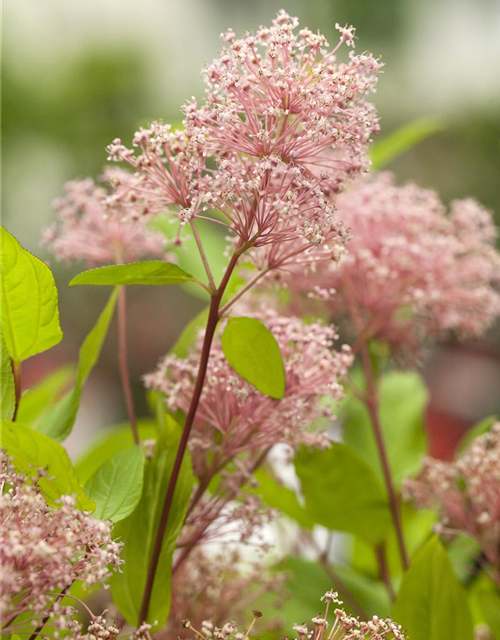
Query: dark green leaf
x=431 y=603
x=152 y=272
x=342 y=492
x=30 y=312
x=116 y=487
x=389 y=148
x=138 y=533
x=7 y=390
x=31 y=451
x=252 y=351
x=59 y=421
x=108 y=444
x=403 y=397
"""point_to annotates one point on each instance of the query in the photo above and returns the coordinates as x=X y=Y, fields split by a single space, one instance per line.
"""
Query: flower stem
x=383 y=570
x=371 y=402
x=16 y=372
x=211 y=326
x=123 y=360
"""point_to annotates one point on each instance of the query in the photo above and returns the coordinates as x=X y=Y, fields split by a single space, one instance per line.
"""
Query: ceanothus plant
x=229 y=497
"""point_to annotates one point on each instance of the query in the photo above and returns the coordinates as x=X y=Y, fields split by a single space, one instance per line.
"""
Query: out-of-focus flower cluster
x=245 y=418
x=343 y=627
x=97 y=229
x=44 y=550
x=283 y=126
x=411 y=270
x=466 y=494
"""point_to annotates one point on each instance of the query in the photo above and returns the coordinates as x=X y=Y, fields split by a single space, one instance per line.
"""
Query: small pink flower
x=98 y=229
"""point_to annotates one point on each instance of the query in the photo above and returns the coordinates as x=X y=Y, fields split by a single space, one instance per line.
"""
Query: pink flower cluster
x=411 y=269
x=100 y=229
x=283 y=126
x=467 y=494
x=245 y=418
x=44 y=551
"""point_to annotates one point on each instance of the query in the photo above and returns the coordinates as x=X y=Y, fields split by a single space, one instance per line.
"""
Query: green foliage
x=154 y=272
x=403 y=398
x=277 y=496
x=36 y=402
x=431 y=603
x=252 y=351
x=30 y=313
x=59 y=421
x=187 y=254
x=477 y=430
x=187 y=338
x=342 y=492
x=389 y=148
x=116 y=487
x=7 y=388
x=138 y=533
x=31 y=451
x=489 y=602
x=108 y=444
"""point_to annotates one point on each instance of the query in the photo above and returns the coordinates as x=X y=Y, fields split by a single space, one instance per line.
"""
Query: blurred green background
x=78 y=74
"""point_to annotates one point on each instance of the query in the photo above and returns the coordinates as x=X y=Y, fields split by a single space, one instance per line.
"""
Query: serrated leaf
x=153 y=272
x=431 y=603
x=342 y=492
x=116 y=487
x=403 y=398
x=31 y=451
x=138 y=532
x=30 y=313
x=394 y=145
x=108 y=444
x=252 y=351
x=8 y=393
x=59 y=421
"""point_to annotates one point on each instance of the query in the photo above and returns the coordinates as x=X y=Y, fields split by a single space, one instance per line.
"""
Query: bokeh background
x=75 y=75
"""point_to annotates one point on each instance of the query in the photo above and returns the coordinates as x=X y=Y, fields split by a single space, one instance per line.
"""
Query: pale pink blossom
x=411 y=269
x=99 y=230
x=44 y=550
x=283 y=126
x=466 y=494
x=245 y=418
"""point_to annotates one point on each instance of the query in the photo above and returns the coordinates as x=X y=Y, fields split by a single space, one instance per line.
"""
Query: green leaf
x=431 y=603
x=31 y=451
x=489 y=602
x=403 y=139
x=403 y=398
x=30 y=313
x=7 y=390
x=151 y=272
x=109 y=443
x=187 y=255
x=282 y=498
x=342 y=492
x=478 y=429
x=138 y=532
x=116 y=487
x=37 y=401
x=187 y=338
x=252 y=351
x=59 y=421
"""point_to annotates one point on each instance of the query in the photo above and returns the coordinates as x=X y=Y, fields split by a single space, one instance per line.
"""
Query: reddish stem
x=123 y=361
x=16 y=372
x=383 y=570
x=371 y=402
x=212 y=322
